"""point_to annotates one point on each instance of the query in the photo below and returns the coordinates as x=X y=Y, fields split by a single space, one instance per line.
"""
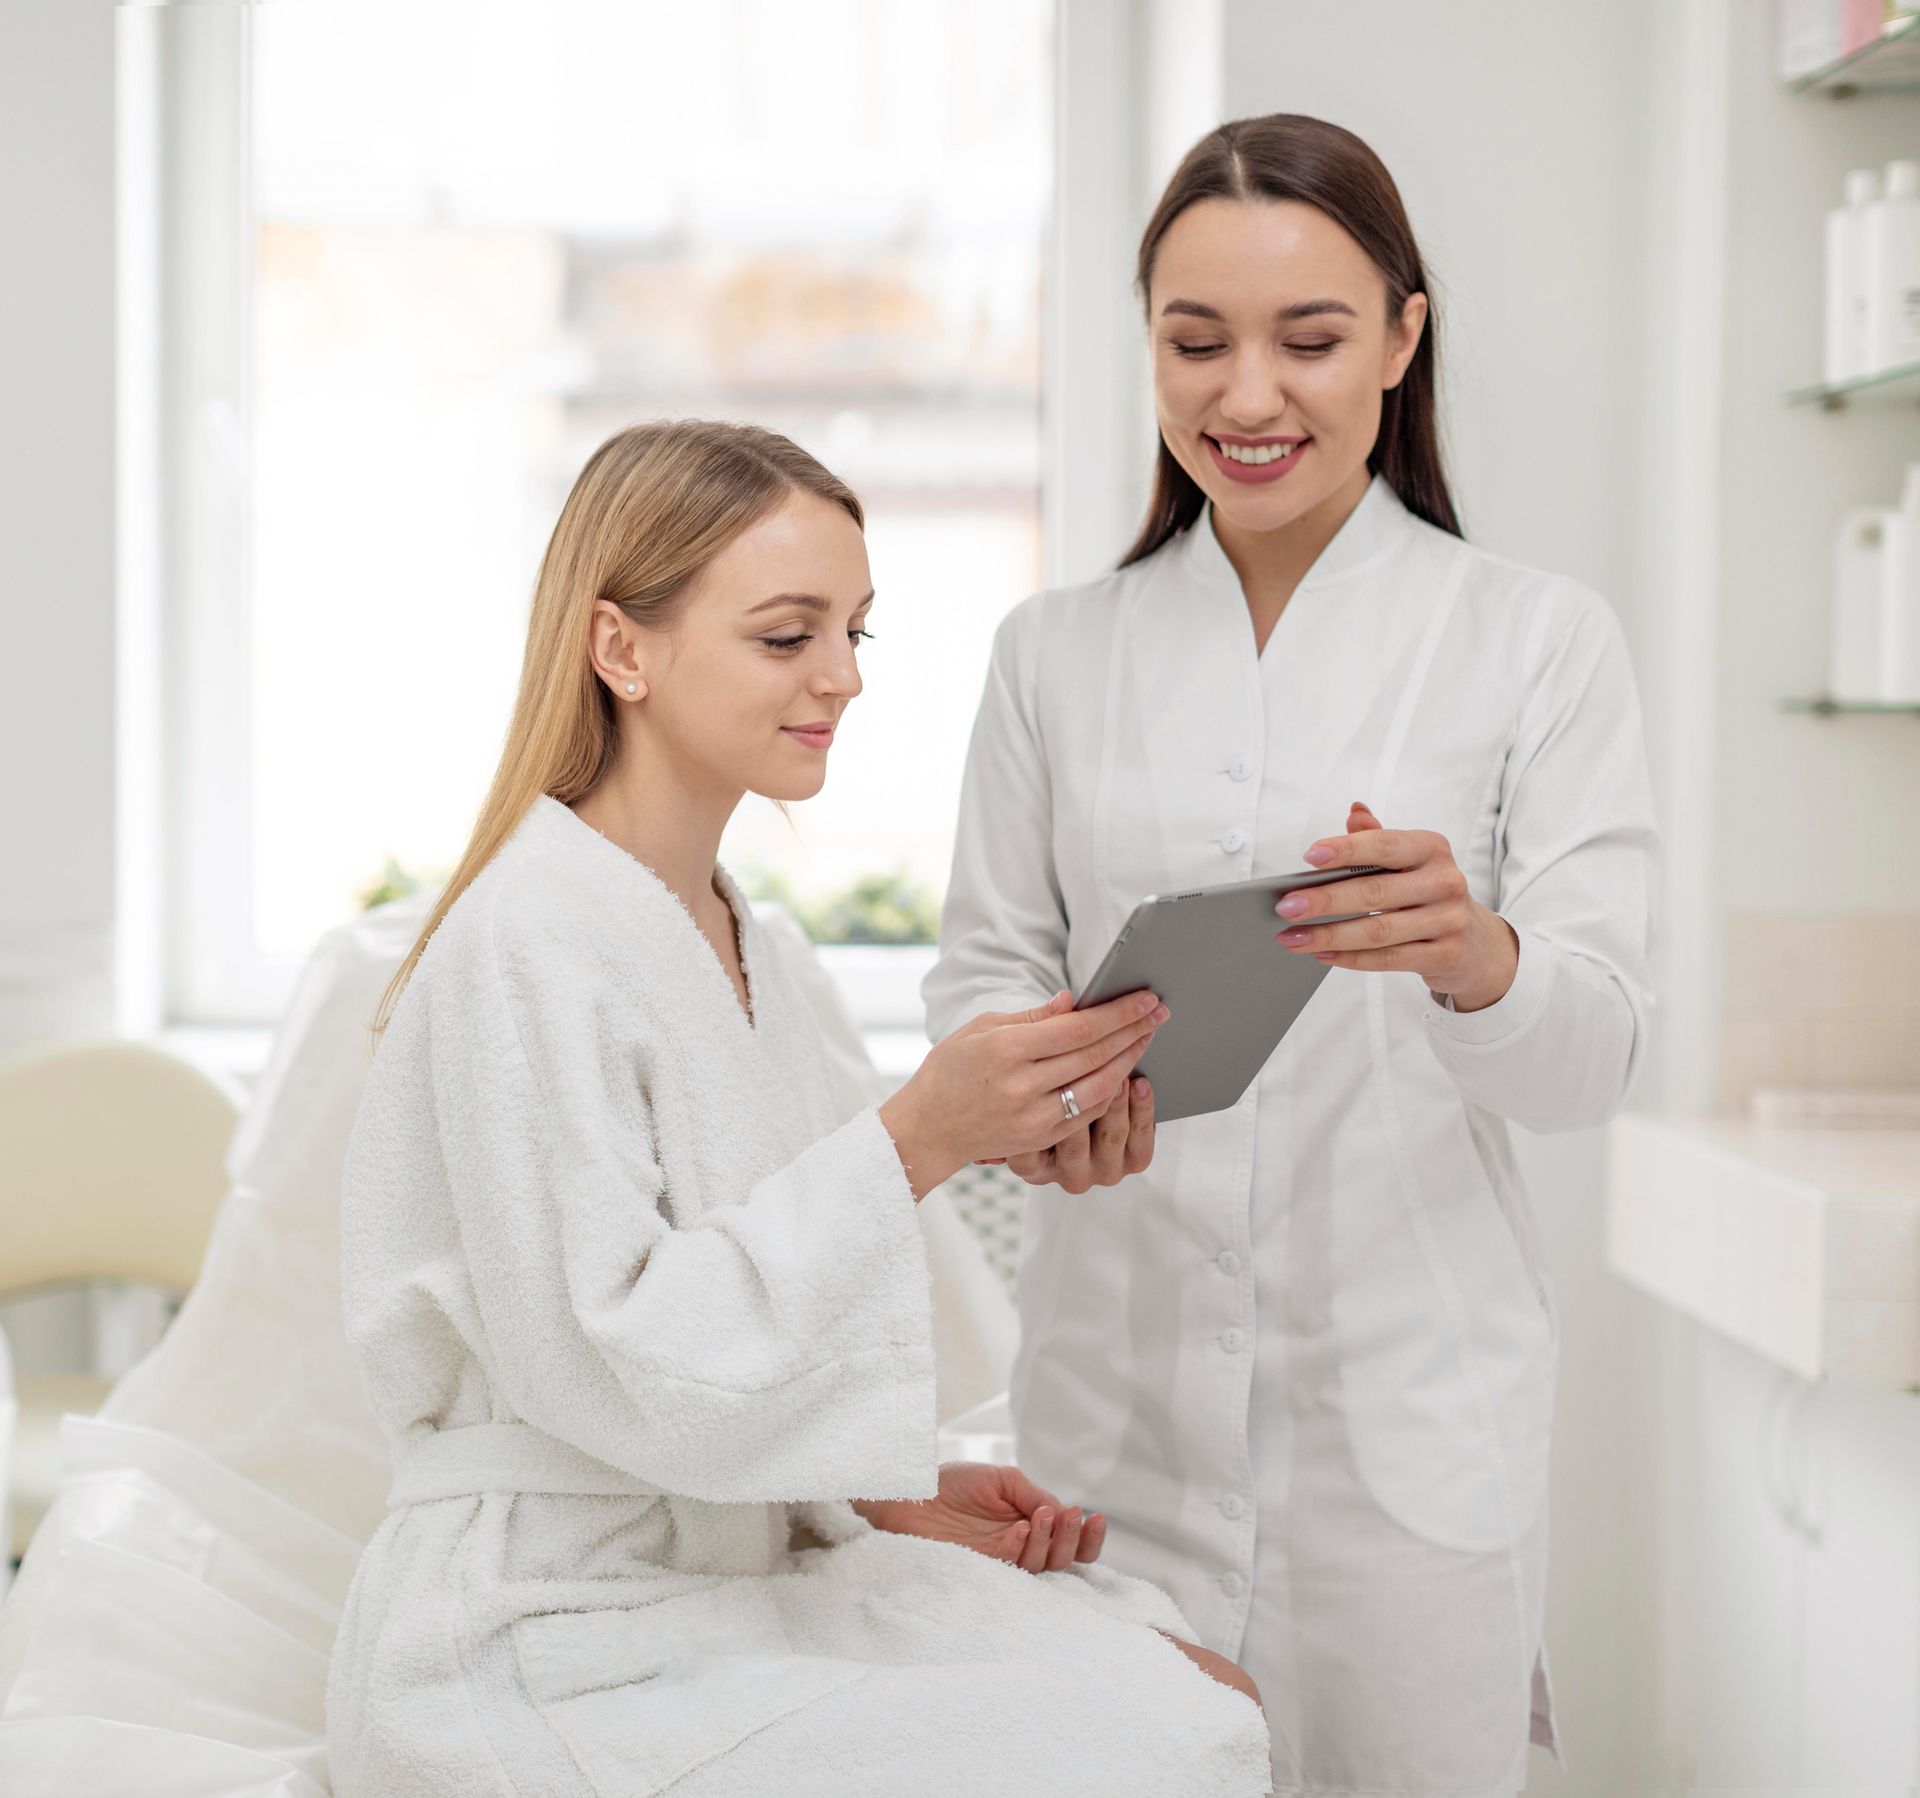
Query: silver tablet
x=1234 y=992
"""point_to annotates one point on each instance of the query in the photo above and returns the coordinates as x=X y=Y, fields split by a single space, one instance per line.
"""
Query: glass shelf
x=1890 y=383
x=1820 y=706
x=1890 y=64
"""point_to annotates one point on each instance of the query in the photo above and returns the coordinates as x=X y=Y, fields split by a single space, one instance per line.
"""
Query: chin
x=789 y=788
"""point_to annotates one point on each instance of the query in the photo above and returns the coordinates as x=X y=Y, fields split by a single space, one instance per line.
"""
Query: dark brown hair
x=1288 y=156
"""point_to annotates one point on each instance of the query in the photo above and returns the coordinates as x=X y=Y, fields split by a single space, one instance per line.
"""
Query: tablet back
x=1211 y=957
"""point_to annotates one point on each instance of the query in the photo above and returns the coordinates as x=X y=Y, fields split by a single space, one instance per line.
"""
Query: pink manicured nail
x=1294 y=938
x=1292 y=906
x=1319 y=855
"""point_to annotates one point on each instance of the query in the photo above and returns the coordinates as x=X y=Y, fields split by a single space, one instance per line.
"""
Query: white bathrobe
x=640 y=1320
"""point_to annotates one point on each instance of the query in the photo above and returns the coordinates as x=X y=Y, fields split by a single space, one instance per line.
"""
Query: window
x=476 y=239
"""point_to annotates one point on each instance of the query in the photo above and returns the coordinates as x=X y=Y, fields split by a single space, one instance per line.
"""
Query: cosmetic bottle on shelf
x=1892 y=270
x=1846 y=321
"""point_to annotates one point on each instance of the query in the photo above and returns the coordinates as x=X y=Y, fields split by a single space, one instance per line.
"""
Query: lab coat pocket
x=642 y=1696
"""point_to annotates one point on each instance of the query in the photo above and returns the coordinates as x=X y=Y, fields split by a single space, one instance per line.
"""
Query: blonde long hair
x=653 y=506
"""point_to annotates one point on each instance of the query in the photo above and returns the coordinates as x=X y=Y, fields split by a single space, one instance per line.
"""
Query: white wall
x=56 y=520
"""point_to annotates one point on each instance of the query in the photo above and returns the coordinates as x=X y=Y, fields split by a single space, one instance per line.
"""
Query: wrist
x=1503 y=963
x=924 y=1158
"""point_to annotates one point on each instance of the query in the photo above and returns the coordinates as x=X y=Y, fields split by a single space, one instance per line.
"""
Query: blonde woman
x=650 y=1333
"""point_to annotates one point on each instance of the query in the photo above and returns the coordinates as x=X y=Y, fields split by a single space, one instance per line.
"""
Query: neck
x=663 y=814
x=1271 y=564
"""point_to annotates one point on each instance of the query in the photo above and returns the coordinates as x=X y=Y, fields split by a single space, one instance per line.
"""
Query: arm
x=1540 y=1002
x=1575 y=871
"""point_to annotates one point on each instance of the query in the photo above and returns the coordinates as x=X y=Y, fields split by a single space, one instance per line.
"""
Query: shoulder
x=1081 y=613
x=1547 y=619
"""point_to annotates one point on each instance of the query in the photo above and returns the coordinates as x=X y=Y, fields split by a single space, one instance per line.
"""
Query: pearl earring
x=630 y=687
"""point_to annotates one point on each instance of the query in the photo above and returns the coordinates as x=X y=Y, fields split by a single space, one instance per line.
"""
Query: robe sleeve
x=1574 y=871
x=778 y=1348
x=1003 y=927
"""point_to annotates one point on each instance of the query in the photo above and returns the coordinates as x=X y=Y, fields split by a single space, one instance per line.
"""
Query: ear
x=615 y=643
x=1403 y=338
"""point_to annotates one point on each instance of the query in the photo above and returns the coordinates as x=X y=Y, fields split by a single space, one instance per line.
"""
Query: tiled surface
x=1819 y=1001
x=992 y=1203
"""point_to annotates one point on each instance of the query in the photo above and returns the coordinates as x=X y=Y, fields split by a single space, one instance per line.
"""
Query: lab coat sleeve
x=776 y=1348
x=1003 y=930
x=1574 y=859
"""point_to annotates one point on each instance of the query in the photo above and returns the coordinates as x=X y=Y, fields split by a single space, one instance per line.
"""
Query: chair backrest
x=112 y=1164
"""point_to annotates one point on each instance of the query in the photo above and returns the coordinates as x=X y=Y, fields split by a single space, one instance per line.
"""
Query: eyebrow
x=1302 y=309
x=807 y=602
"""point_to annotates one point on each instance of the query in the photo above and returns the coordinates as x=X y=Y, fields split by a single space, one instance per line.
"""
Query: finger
x=1365 y=892
x=1110 y=1135
x=1093 y=1538
x=1139 y=1124
x=1024 y=1493
x=1013 y=1545
x=1039 y=1544
x=1072 y=1156
x=1095 y=1089
x=1066 y=1539
x=1423 y=924
x=1360 y=817
x=1373 y=848
x=1037 y=1169
x=1058 y=1006
x=1064 y=1070
x=1063 y=1032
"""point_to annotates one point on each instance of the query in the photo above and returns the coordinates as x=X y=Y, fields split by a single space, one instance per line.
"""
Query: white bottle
x=1846 y=346
x=1893 y=270
x=1899 y=682
x=1859 y=584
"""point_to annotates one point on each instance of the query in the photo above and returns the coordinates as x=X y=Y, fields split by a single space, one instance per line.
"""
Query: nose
x=838 y=677
x=1252 y=394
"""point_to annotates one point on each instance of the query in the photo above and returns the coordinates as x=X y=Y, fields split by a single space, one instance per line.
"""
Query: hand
x=1427 y=922
x=1117 y=1143
x=992 y=1089
x=997 y=1512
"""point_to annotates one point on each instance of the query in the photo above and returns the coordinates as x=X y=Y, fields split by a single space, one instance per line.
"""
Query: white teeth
x=1256 y=456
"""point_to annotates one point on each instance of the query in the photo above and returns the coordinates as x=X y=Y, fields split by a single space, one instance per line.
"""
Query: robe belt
x=502 y=1457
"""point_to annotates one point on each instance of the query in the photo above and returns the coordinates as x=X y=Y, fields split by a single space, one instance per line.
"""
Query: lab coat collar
x=1372 y=528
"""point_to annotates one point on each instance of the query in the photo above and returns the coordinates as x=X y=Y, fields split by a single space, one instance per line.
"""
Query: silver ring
x=1068 y=1103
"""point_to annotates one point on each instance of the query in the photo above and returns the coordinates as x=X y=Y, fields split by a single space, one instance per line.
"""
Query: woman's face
x=1271 y=349
x=746 y=689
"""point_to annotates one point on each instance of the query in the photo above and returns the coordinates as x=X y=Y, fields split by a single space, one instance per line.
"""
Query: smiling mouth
x=815 y=736
x=1257 y=452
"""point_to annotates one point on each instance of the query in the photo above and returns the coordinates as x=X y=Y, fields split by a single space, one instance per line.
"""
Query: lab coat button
x=1232 y=1584
x=1230 y=1341
x=1234 y=841
x=1240 y=768
x=1232 y=1505
x=1227 y=1262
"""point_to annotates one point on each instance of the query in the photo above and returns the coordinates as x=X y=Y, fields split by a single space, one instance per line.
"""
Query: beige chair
x=112 y=1164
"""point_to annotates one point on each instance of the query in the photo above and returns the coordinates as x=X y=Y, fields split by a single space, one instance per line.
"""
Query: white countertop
x=1802 y=1244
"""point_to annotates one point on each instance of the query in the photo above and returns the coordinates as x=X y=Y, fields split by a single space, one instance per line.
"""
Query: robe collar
x=1372 y=528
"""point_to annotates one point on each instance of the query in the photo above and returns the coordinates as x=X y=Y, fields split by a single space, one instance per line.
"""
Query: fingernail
x=1073 y=1517
x=1293 y=938
x=1139 y=1089
x=1292 y=906
x=1319 y=855
x=1161 y=1014
x=1043 y=1515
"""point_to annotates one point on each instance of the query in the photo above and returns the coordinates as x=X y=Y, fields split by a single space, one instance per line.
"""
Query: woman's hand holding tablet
x=1421 y=919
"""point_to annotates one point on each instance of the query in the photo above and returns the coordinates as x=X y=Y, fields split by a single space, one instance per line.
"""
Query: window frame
x=210 y=976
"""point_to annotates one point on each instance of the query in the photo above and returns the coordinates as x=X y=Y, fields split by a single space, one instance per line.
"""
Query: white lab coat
x=1306 y=1360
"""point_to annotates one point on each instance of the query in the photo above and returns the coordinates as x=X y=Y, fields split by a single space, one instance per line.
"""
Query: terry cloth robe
x=640 y=1320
